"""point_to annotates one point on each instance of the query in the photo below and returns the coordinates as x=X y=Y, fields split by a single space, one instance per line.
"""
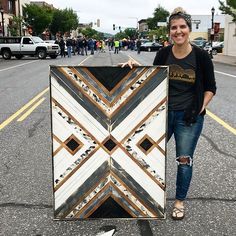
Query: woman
x=191 y=88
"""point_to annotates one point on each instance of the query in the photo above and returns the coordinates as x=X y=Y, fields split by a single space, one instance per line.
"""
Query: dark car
x=150 y=46
x=217 y=47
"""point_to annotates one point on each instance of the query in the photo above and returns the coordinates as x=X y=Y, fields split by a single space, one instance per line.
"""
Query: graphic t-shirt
x=181 y=81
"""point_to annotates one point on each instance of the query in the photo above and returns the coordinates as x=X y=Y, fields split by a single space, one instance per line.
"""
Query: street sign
x=161 y=23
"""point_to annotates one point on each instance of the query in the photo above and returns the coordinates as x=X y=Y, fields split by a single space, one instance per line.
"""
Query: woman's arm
x=208 y=95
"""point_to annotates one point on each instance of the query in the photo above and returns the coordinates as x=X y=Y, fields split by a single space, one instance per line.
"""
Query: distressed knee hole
x=184 y=160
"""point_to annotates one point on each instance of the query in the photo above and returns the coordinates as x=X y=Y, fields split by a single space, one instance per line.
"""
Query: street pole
x=212 y=28
x=19 y=14
x=2 y=12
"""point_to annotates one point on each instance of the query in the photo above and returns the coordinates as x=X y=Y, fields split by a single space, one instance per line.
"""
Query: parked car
x=217 y=47
x=199 y=43
x=150 y=46
x=27 y=46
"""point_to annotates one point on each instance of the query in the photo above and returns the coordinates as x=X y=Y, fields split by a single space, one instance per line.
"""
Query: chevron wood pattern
x=109 y=141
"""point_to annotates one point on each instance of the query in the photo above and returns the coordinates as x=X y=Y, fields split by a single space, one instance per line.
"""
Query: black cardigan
x=205 y=79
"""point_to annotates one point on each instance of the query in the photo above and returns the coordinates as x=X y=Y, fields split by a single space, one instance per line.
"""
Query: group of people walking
x=75 y=46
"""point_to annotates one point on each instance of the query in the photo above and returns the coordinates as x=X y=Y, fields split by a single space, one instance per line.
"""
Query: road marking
x=81 y=63
x=134 y=60
x=220 y=121
x=12 y=117
x=109 y=233
x=12 y=67
x=219 y=72
x=31 y=109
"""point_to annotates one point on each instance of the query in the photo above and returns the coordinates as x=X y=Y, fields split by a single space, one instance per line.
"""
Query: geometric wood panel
x=108 y=141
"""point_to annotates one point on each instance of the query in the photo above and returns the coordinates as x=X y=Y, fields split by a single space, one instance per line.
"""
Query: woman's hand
x=129 y=63
x=203 y=108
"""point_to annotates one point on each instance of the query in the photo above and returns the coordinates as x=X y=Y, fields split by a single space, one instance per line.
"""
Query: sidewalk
x=221 y=58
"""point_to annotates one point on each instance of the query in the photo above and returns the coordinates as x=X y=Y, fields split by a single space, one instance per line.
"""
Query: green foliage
x=90 y=33
x=128 y=33
x=131 y=33
x=159 y=15
x=159 y=34
x=64 y=21
x=42 y=17
x=39 y=17
x=15 y=27
x=121 y=35
x=228 y=8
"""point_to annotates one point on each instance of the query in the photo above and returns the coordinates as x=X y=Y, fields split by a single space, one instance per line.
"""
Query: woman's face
x=179 y=31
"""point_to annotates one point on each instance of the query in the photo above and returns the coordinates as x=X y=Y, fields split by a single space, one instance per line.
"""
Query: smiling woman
x=191 y=87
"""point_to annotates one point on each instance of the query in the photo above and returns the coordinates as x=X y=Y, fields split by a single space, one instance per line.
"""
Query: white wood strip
x=140 y=112
x=80 y=176
x=155 y=159
x=157 y=162
x=141 y=178
x=58 y=127
x=75 y=109
x=56 y=145
x=157 y=127
x=162 y=144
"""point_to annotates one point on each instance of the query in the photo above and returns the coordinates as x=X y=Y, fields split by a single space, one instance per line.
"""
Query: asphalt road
x=26 y=166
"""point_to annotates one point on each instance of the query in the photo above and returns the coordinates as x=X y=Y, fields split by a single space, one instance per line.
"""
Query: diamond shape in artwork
x=109 y=144
x=146 y=144
x=72 y=144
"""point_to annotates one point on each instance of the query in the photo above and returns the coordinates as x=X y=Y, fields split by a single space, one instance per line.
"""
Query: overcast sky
x=126 y=13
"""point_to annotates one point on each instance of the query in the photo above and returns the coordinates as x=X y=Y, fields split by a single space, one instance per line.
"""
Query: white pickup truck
x=27 y=45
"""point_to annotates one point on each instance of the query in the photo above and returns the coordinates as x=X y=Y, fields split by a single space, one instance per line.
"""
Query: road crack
x=36 y=125
x=215 y=147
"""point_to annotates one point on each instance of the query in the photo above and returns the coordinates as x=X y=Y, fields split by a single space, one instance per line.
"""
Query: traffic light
x=114 y=26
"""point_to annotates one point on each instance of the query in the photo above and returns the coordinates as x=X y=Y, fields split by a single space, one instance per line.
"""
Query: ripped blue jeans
x=186 y=138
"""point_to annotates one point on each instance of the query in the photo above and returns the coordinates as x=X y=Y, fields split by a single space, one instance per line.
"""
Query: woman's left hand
x=129 y=63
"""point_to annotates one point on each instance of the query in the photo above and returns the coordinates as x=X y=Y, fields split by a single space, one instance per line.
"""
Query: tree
x=89 y=32
x=15 y=27
x=120 y=35
x=38 y=17
x=229 y=8
x=64 y=21
x=159 y=15
x=130 y=33
x=160 y=34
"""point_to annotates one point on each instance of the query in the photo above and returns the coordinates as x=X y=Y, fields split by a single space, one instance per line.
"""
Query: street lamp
x=212 y=27
x=2 y=12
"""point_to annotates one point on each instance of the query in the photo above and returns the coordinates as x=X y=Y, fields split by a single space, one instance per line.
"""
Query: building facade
x=10 y=8
x=202 y=24
x=229 y=37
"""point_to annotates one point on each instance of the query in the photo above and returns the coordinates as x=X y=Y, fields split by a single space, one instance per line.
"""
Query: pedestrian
x=191 y=87
x=69 y=46
x=138 y=45
x=84 y=46
x=91 y=45
x=117 y=45
x=62 y=47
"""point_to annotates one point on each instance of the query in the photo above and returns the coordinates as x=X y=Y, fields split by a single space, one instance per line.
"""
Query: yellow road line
x=31 y=109
x=220 y=121
x=12 y=117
